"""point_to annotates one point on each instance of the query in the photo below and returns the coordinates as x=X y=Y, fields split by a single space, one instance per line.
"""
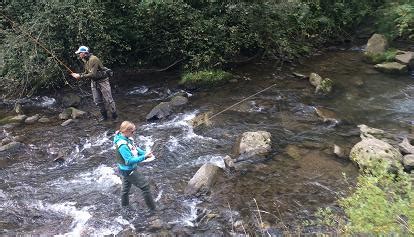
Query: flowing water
x=81 y=196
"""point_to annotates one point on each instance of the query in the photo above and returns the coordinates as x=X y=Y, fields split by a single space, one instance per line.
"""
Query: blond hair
x=126 y=126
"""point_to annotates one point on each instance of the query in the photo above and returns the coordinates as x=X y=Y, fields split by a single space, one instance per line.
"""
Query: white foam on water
x=113 y=227
x=188 y=218
x=255 y=108
x=80 y=216
x=145 y=142
x=173 y=144
x=138 y=90
x=47 y=101
x=102 y=141
x=102 y=178
x=159 y=196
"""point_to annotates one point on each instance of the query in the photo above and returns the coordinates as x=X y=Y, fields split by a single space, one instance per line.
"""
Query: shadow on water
x=81 y=195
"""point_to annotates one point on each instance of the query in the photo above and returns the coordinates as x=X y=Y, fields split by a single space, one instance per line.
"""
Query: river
x=81 y=196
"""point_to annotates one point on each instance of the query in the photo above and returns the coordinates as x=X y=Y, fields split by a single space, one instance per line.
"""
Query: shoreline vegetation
x=202 y=35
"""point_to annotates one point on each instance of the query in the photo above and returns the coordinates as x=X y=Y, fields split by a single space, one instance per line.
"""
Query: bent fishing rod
x=16 y=28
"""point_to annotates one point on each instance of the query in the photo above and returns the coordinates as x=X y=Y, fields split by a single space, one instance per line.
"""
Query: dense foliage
x=396 y=19
x=381 y=203
x=204 y=34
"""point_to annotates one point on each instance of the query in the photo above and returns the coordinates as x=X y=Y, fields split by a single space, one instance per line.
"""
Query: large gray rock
x=165 y=109
x=162 y=110
x=66 y=114
x=369 y=151
x=406 y=147
x=71 y=100
x=323 y=86
x=32 y=119
x=405 y=57
x=11 y=146
x=408 y=161
x=392 y=67
x=203 y=179
x=76 y=113
x=178 y=101
x=377 y=44
x=253 y=143
x=315 y=79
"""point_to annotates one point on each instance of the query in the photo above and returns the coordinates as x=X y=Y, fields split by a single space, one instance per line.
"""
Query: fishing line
x=231 y=106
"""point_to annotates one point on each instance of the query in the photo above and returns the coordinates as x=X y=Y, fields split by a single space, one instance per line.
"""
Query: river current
x=81 y=196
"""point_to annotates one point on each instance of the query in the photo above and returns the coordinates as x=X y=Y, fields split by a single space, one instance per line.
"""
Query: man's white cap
x=82 y=49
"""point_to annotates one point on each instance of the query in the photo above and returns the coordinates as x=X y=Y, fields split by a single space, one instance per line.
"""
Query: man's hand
x=75 y=75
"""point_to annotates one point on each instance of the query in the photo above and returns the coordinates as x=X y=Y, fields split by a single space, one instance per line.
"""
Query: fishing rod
x=15 y=26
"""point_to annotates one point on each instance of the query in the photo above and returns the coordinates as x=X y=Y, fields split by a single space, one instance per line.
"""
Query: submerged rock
x=392 y=67
x=11 y=146
x=327 y=115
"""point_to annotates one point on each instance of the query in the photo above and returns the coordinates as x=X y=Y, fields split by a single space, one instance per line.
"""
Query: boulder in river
x=71 y=100
x=162 y=110
x=408 y=161
x=369 y=151
x=323 y=86
x=406 y=147
x=32 y=119
x=404 y=57
x=250 y=147
x=377 y=44
x=392 y=67
x=11 y=146
x=253 y=143
x=203 y=179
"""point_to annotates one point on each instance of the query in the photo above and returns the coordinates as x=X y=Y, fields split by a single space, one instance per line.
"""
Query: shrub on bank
x=381 y=203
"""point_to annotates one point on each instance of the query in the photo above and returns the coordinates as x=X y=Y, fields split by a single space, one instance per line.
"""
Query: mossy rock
x=387 y=56
x=205 y=79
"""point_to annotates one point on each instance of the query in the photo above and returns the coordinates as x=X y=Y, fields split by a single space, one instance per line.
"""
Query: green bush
x=396 y=19
x=206 y=78
x=387 y=56
x=382 y=203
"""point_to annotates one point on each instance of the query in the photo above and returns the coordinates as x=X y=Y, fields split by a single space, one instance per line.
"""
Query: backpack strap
x=119 y=157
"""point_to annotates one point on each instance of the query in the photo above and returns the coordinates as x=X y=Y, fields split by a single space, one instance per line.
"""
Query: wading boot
x=114 y=117
x=104 y=116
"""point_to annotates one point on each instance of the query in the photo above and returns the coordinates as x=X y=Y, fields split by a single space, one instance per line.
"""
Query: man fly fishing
x=101 y=89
